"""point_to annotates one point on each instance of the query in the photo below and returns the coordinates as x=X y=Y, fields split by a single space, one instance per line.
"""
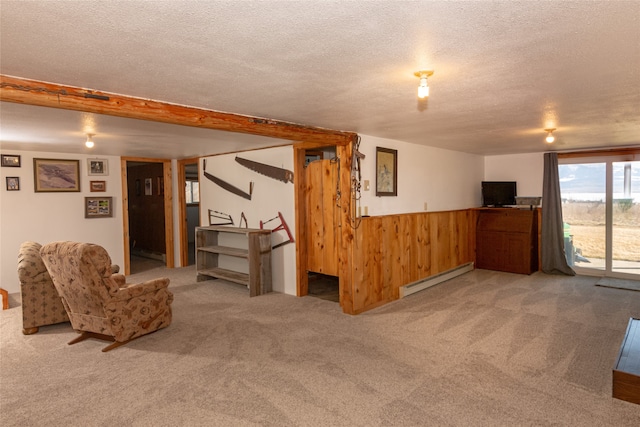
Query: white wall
x=444 y=179
x=525 y=169
x=46 y=217
x=269 y=197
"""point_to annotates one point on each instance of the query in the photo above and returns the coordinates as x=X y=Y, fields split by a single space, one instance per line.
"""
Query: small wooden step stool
x=626 y=372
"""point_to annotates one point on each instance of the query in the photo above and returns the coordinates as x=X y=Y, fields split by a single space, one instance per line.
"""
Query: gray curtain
x=553 y=258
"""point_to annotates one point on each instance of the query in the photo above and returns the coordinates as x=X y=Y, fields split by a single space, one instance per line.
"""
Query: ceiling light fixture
x=423 y=89
x=89 y=143
x=550 y=138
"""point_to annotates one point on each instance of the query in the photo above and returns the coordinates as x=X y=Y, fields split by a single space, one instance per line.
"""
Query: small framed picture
x=97 y=186
x=98 y=167
x=10 y=160
x=56 y=175
x=13 y=183
x=98 y=207
x=386 y=172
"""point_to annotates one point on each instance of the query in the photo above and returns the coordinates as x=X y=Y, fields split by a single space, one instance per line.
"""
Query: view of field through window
x=583 y=192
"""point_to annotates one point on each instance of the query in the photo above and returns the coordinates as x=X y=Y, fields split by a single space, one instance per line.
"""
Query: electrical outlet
x=425 y=206
x=366 y=185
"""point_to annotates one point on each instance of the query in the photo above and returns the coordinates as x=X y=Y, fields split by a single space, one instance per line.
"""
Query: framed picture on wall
x=98 y=207
x=13 y=183
x=56 y=175
x=98 y=186
x=98 y=167
x=10 y=160
x=386 y=172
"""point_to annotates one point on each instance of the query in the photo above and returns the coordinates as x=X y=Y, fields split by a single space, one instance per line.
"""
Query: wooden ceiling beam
x=33 y=92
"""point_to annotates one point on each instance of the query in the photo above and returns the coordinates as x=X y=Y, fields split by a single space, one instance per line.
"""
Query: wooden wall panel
x=394 y=250
x=368 y=283
x=348 y=256
x=423 y=247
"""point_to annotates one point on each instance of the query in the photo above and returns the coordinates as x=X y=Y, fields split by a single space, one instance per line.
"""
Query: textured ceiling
x=503 y=70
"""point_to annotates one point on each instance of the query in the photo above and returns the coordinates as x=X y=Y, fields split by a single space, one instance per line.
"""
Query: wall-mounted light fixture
x=550 y=138
x=89 y=143
x=423 y=89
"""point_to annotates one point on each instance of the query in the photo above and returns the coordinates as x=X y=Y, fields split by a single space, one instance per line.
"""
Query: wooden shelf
x=256 y=251
x=229 y=275
x=226 y=250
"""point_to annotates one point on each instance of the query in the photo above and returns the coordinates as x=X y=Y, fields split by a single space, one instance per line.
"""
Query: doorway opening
x=601 y=213
x=321 y=178
x=147 y=214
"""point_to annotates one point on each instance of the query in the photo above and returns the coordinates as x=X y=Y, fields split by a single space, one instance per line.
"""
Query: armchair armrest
x=138 y=289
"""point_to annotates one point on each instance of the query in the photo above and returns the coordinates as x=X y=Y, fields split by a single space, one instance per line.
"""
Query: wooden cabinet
x=251 y=246
x=507 y=240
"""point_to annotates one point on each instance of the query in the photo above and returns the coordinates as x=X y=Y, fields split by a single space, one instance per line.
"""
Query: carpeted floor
x=484 y=349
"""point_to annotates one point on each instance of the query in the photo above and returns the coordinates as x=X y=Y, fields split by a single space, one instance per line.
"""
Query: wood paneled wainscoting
x=394 y=250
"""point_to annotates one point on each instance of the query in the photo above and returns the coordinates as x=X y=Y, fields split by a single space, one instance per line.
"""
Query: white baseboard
x=414 y=287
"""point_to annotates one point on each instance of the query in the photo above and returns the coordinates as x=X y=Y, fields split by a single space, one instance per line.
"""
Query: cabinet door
x=490 y=247
x=518 y=253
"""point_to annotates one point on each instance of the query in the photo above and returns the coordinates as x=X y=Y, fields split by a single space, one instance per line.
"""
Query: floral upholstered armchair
x=41 y=304
x=99 y=304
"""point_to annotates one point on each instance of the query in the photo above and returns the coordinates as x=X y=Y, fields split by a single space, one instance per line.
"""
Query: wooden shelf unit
x=507 y=240
x=257 y=254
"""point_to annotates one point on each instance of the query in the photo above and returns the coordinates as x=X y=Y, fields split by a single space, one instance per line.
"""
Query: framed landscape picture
x=98 y=207
x=10 y=160
x=386 y=172
x=56 y=175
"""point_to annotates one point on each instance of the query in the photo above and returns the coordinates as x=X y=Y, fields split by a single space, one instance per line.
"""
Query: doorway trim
x=182 y=208
x=168 y=209
x=346 y=233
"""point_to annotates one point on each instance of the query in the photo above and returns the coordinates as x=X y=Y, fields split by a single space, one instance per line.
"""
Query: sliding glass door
x=601 y=211
x=625 y=243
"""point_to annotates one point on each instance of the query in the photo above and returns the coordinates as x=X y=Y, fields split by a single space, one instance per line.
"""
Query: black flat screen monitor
x=498 y=193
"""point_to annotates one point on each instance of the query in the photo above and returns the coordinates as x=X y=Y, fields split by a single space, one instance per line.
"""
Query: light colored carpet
x=483 y=349
x=609 y=282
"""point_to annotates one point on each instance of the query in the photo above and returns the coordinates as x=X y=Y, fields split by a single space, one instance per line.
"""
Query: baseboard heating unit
x=414 y=287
